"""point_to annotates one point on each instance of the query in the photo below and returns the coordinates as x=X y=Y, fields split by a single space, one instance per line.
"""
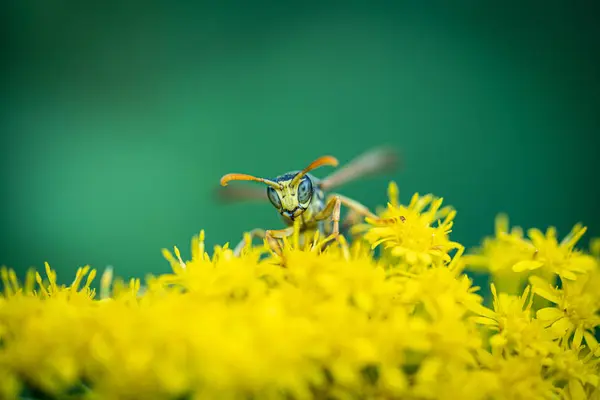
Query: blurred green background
x=119 y=118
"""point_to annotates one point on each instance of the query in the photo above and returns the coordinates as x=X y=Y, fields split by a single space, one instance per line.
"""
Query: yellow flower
x=517 y=332
x=37 y=328
x=438 y=379
x=437 y=287
x=520 y=378
x=414 y=233
x=498 y=254
x=559 y=258
x=580 y=371
x=577 y=307
x=320 y=319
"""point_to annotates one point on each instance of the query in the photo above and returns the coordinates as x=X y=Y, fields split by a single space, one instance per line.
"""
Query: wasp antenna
x=244 y=177
x=319 y=162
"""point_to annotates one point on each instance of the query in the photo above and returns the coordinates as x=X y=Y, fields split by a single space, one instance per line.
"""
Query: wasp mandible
x=300 y=196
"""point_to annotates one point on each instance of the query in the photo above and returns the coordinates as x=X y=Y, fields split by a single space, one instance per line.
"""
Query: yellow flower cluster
x=391 y=314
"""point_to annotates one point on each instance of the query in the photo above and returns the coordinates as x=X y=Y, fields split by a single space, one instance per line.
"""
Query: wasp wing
x=238 y=194
x=372 y=162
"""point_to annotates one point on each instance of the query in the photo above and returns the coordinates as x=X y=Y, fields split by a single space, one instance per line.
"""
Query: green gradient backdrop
x=119 y=119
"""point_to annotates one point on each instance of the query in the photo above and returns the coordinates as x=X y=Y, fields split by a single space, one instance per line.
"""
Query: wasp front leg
x=332 y=209
x=271 y=236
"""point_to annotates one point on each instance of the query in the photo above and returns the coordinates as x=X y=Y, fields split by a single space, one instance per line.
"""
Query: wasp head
x=293 y=197
x=290 y=193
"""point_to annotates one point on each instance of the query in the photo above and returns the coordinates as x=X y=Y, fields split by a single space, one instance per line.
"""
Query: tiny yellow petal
x=485 y=321
x=591 y=341
x=501 y=224
x=561 y=326
x=411 y=257
x=576 y=390
x=497 y=341
x=550 y=314
x=527 y=265
x=578 y=337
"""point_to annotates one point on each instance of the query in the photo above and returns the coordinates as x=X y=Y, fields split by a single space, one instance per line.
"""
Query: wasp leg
x=332 y=209
x=273 y=235
x=270 y=235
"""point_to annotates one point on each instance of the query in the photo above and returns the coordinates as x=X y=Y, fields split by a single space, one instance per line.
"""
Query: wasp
x=302 y=198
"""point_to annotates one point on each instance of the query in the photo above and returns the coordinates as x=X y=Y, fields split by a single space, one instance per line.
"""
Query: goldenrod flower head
x=414 y=233
x=323 y=318
x=515 y=330
x=520 y=377
x=498 y=254
x=511 y=258
x=577 y=306
x=438 y=379
x=575 y=365
x=558 y=258
x=439 y=285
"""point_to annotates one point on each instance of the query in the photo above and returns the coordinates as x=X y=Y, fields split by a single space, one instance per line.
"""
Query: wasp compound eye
x=273 y=197
x=305 y=190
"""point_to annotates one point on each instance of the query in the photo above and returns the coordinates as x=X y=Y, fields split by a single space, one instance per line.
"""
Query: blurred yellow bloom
x=315 y=321
x=559 y=258
x=511 y=258
x=498 y=254
x=577 y=307
x=576 y=366
x=520 y=378
x=438 y=379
